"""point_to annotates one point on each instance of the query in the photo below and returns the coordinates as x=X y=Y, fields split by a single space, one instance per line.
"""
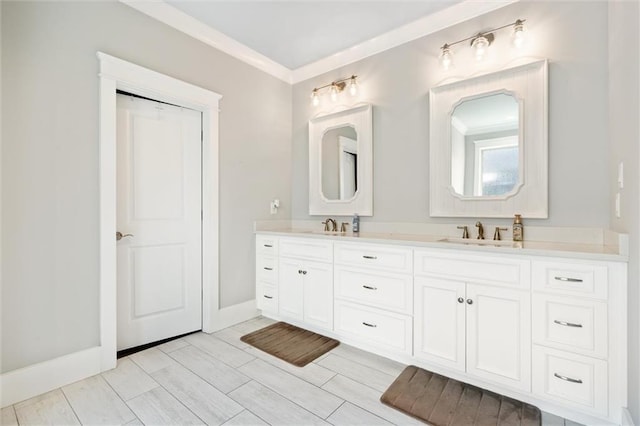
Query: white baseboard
x=27 y=382
x=232 y=315
x=627 y=420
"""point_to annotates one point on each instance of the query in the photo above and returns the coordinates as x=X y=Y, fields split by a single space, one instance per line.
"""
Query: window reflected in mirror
x=339 y=166
x=485 y=146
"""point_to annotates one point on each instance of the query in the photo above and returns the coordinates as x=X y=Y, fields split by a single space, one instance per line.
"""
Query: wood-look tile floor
x=218 y=380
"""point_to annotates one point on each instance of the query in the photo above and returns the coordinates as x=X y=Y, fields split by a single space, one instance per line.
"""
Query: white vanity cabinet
x=548 y=330
x=472 y=314
x=267 y=273
x=306 y=281
x=373 y=286
x=577 y=323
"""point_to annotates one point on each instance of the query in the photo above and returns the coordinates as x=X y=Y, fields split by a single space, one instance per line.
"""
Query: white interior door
x=159 y=204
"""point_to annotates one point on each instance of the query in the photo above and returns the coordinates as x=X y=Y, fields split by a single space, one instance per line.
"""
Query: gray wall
x=50 y=252
x=624 y=134
x=397 y=83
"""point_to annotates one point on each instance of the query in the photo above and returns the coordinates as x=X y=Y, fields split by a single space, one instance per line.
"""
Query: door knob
x=120 y=235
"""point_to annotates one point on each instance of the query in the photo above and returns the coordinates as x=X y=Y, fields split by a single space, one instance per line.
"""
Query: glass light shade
x=446 y=57
x=315 y=99
x=333 y=93
x=480 y=44
x=353 y=87
x=518 y=36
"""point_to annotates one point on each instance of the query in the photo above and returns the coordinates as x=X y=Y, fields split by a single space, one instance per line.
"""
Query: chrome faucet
x=480 y=230
x=334 y=226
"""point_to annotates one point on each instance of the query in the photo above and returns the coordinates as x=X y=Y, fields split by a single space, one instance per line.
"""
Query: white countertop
x=536 y=248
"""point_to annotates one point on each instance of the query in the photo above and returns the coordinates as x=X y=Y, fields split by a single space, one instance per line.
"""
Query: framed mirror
x=341 y=163
x=488 y=145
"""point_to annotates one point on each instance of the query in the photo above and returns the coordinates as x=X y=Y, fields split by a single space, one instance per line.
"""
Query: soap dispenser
x=355 y=224
x=518 y=229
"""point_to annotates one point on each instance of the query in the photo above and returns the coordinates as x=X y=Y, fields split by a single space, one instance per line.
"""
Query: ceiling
x=295 y=40
x=297 y=33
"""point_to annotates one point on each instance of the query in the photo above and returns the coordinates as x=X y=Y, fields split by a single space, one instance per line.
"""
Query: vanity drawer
x=574 y=379
x=492 y=270
x=267 y=269
x=568 y=323
x=311 y=249
x=379 y=289
x=388 y=258
x=267 y=297
x=386 y=330
x=571 y=278
x=267 y=244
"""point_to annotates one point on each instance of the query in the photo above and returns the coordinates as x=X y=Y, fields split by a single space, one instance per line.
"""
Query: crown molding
x=179 y=20
x=424 y=26
x=429 y=24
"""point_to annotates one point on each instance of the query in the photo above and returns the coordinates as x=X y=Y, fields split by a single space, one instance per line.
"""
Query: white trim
x=118 y=74
x=235 y=314
x=429 y=24
x=27 y=382
x=424 y=26
x=627 y=420
x=179 y=20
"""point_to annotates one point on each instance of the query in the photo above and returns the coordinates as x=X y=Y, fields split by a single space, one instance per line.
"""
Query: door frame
x=117 y=74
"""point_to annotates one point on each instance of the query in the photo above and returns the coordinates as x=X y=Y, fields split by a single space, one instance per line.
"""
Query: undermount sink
x=476 y=242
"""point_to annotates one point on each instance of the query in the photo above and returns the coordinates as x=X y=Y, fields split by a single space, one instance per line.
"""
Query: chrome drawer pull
x=567 y=379
x=268 y=269
x=567 y=324
x=369 y=287
x=268 y=297
x=369 y=325
x=268 y=245
x=568 y=280
x=370 y=257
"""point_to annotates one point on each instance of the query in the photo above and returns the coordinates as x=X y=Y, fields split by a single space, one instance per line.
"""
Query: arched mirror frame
x=529 y=84
x=360 y=118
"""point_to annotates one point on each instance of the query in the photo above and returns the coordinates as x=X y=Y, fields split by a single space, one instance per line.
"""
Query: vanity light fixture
x=481 y=41
x=335 y=87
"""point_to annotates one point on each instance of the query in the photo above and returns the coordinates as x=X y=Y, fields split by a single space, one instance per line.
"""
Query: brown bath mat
x=293 y=344
x=441 y=401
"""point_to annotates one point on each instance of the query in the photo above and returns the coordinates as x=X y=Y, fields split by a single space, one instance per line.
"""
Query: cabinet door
x=439 y=322
x=499 y=335
x=318 y=294
x=290 y=288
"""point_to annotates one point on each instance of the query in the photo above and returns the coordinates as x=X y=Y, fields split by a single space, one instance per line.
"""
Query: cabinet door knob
x=304 y=272
x=460 y=300
x=469 y=302
x=299 y=271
